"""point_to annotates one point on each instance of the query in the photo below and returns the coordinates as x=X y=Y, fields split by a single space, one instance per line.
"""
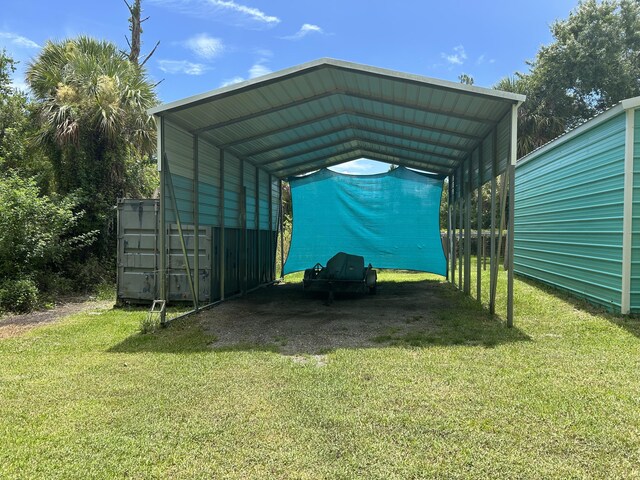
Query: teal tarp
x=391 y=219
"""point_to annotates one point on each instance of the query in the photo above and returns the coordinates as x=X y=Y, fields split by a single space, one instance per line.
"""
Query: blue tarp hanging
x=391 y=219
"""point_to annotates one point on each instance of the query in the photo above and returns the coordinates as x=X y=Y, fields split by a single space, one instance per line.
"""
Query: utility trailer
x=344 y=273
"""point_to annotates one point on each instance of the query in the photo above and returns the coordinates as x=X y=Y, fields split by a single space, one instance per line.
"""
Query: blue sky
x=205 y=44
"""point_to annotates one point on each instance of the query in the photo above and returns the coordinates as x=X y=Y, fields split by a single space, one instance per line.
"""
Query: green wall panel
x=635 y=242
x=568 y=214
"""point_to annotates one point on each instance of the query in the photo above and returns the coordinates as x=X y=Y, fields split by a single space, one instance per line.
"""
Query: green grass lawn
x=558 y=396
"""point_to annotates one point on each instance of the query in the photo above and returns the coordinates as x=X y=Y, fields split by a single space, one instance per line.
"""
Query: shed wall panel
x=232 y=182
x=568 y=214
x=209 y=184
x=635 y=242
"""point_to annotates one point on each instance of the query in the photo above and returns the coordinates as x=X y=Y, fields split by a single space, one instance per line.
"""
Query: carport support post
x=163 y=222
x=467 y=231
x=281 y=232
x=258 y=248
x=196 y=222
x=272 y=251
x=449 y=237
x=479 y=237
x=242 y=196
x=222 y=235
x=513 y=154
x=452 y=204
x=461 y=227
x=492 y=247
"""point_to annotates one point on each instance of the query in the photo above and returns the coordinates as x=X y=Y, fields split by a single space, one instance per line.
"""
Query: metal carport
x=222 y=155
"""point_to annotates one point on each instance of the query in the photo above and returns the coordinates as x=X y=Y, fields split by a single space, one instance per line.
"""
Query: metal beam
x=461 y=228
x=348 y=94
x=492 y=247
x=511 y=170
x=268 y=111
x=428 y=110
x=242 y=220
x=258 y=242
x=161 y=275
x=453 y=205
x=479 y=237
x=356 y=128
x=353 y=113
x=272 y=254
x=196 y=221
x=281 y=232
x=183 y=246
x=311 y=164
x=221 y=207
x=449 y=236
x=467 y=229
x=451 y=162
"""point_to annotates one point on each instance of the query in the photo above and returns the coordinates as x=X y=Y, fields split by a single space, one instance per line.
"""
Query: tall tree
x=135 y=27
x=92 y=110
x=593 y=63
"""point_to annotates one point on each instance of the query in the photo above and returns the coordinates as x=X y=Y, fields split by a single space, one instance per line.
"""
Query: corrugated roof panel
x=399 y=109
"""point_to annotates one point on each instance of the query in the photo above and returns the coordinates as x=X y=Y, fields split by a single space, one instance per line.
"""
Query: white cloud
x=305 y=30
x=457 y=57
x=182 y=66
x=205 y=46
x=215 y=7
x=258 y=70
x=483 y=59
x=251 y=12
x=231 y=81
x=19 y=40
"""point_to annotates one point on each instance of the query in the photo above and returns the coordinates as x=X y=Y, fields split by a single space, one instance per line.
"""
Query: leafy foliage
x=91 y=105
x=34 y=236
x=593 y=63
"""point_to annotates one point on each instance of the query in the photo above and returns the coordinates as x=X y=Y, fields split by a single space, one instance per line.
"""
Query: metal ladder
x=158 y=308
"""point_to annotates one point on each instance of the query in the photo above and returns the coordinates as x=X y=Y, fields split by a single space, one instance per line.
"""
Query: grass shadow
x=285 y=319
x=630 y=323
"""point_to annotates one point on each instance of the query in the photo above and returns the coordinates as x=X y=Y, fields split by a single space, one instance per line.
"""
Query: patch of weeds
x=244 y=347
x=414 y=319
x=149 y=323
x=382 y=338
x=281 y=340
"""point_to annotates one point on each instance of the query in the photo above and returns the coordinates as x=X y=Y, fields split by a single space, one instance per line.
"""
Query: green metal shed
x=577 y=218
x=222 y=156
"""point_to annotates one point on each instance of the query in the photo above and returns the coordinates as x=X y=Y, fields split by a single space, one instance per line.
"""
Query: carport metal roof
x=326 y=112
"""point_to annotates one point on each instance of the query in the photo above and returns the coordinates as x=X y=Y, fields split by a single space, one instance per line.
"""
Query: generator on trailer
x=344 y=273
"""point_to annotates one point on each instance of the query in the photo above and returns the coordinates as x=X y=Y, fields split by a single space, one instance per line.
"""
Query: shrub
x=19 y=296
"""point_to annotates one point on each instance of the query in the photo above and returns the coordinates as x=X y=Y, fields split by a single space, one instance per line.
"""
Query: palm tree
x=536 y=123
x=91 y=106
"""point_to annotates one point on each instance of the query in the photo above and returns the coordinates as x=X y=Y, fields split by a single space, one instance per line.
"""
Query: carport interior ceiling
x=328 y=112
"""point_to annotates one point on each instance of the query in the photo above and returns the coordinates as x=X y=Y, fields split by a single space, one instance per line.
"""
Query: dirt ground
x=14 y=325
x=284 y=317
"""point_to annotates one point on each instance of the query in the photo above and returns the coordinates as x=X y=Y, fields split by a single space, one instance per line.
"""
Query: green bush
x=19 y=296
x=37 y=239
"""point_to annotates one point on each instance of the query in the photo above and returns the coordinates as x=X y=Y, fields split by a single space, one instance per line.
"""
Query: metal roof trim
x=339 y=64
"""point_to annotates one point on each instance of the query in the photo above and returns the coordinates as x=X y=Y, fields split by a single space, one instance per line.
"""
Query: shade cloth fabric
x=391 y=219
